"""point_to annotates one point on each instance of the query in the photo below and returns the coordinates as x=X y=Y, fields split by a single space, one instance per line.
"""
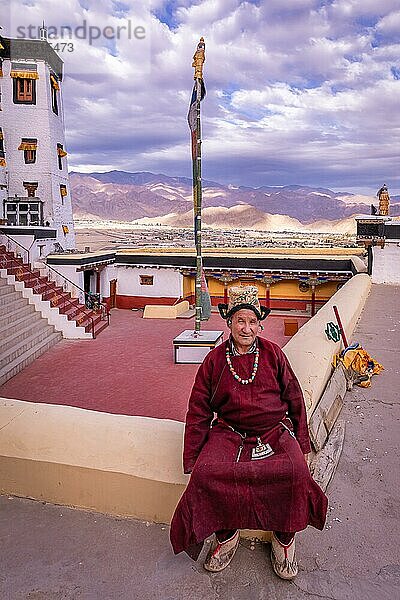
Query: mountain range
x=156 y=198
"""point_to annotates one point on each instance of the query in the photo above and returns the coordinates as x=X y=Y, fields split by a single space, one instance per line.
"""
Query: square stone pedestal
x=193 y=346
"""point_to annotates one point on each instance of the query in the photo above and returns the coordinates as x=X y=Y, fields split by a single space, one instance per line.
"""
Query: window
x=54 y=89
x=146 y=279
x=24 y=91
x=63 y=192
x=24 y=82
x=31 y=187
x=29 y=146
x=2 y=152
x=20 y=212
x=60 y=155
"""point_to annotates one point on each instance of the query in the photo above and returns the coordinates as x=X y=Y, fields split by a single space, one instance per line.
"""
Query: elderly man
x=246 y=439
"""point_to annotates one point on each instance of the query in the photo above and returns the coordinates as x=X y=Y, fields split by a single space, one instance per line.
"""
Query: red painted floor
x=128 y=369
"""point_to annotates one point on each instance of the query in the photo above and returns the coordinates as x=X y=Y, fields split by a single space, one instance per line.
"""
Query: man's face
x=244 y=327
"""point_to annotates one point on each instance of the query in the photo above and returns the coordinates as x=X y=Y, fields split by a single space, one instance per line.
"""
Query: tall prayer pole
x=198 y=94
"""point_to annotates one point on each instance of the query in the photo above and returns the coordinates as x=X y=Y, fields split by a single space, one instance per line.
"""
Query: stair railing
x=18 y=263
x=90 y=300
x=10 y=248
x=85 y=298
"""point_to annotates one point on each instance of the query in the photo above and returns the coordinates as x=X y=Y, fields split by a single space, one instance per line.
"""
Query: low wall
x=132 y=465
x=386 y=264
x=157 y=311
x=310 y=352
x=115 y=464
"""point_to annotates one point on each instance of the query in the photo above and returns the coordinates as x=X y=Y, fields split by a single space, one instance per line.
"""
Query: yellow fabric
x=3 y=162
x=61 y=152
x=63 y=191
x=358 y=361
x=54 y=83
x=1 y=135
x=65 y=229
x=27 y=146
x=24 y=74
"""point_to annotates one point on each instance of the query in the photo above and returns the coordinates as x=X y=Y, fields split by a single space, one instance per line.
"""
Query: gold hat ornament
x=243 y=296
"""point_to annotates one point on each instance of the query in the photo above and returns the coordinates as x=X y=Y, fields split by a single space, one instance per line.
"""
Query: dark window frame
x=21 y=96
x=146 y=279
x=54 y=99
x=31 y=188
x=60 y=163
x=30 y=215
x=63 y=187
x=29 y=157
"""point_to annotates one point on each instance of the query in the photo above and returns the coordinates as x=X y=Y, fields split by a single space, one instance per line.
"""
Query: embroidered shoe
x=221 y=553
x=283 y=558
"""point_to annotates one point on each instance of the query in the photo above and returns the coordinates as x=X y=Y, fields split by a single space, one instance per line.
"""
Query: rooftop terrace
x=128 y=369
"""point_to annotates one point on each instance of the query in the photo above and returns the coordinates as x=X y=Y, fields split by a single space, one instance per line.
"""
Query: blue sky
x=298 y=91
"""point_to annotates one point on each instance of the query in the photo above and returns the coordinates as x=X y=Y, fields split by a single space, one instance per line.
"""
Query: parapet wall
x=132 y=466
x=310 y=352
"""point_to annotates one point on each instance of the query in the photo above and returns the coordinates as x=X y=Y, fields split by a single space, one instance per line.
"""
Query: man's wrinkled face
x=244 y=327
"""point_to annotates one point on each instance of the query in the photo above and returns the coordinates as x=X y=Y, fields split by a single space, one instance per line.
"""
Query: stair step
x=32 y=341
x=21 y=320
x=99 y=327
x=51 y=292
x=10 y=308
x=9 y=298
x=16 y=314
x=6 y=289
x=22 y=332
x=28 y=357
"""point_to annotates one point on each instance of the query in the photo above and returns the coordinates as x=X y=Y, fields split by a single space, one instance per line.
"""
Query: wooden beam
x=328 y=408
x=325 y=462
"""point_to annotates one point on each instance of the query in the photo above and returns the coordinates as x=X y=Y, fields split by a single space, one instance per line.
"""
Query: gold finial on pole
x=198 y=59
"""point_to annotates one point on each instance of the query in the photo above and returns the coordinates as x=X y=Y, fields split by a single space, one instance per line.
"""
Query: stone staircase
x=24 y=333
x=91 y=321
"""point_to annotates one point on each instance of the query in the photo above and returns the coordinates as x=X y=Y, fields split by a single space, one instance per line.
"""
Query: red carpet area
x=129 y=369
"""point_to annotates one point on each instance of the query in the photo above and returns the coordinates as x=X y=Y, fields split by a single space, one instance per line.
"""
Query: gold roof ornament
x=198 y=59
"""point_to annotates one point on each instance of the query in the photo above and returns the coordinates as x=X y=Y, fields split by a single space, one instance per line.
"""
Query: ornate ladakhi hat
x=243 y=296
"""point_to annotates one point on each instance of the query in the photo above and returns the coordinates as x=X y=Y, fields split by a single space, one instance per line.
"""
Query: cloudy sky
x=298 y=91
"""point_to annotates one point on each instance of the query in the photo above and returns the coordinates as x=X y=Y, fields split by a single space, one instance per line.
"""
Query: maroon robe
x=228 y=490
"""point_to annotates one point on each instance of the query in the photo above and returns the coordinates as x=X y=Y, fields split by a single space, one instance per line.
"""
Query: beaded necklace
x=232 y=370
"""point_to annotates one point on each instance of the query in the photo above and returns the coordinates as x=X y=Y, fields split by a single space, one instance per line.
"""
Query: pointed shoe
x=221 y=553
x=283 y=558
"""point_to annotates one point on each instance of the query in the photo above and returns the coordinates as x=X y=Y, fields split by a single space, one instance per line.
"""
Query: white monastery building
x=34 y=184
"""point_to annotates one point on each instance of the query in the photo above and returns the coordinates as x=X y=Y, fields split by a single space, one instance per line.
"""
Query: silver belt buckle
x=261 y=451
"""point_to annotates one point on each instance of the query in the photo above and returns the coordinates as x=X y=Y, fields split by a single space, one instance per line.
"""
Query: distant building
x=34 y=183
x=287 y=279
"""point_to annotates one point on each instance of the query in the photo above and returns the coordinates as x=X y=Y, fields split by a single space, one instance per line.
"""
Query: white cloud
x=299 y=91
x=390 y=24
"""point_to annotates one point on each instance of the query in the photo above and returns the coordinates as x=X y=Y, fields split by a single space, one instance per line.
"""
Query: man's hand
x=307 y=459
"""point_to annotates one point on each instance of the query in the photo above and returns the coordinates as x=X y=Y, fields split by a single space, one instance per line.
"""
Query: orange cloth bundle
x=358 y=360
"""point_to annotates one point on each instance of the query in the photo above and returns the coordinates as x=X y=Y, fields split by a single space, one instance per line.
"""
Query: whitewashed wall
x=37 y=121
x=168 y=283
x=109 y=273
x=386 y=264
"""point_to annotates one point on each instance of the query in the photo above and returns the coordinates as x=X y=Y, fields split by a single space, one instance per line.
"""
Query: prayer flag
x=205 y=298
x=192 y=115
